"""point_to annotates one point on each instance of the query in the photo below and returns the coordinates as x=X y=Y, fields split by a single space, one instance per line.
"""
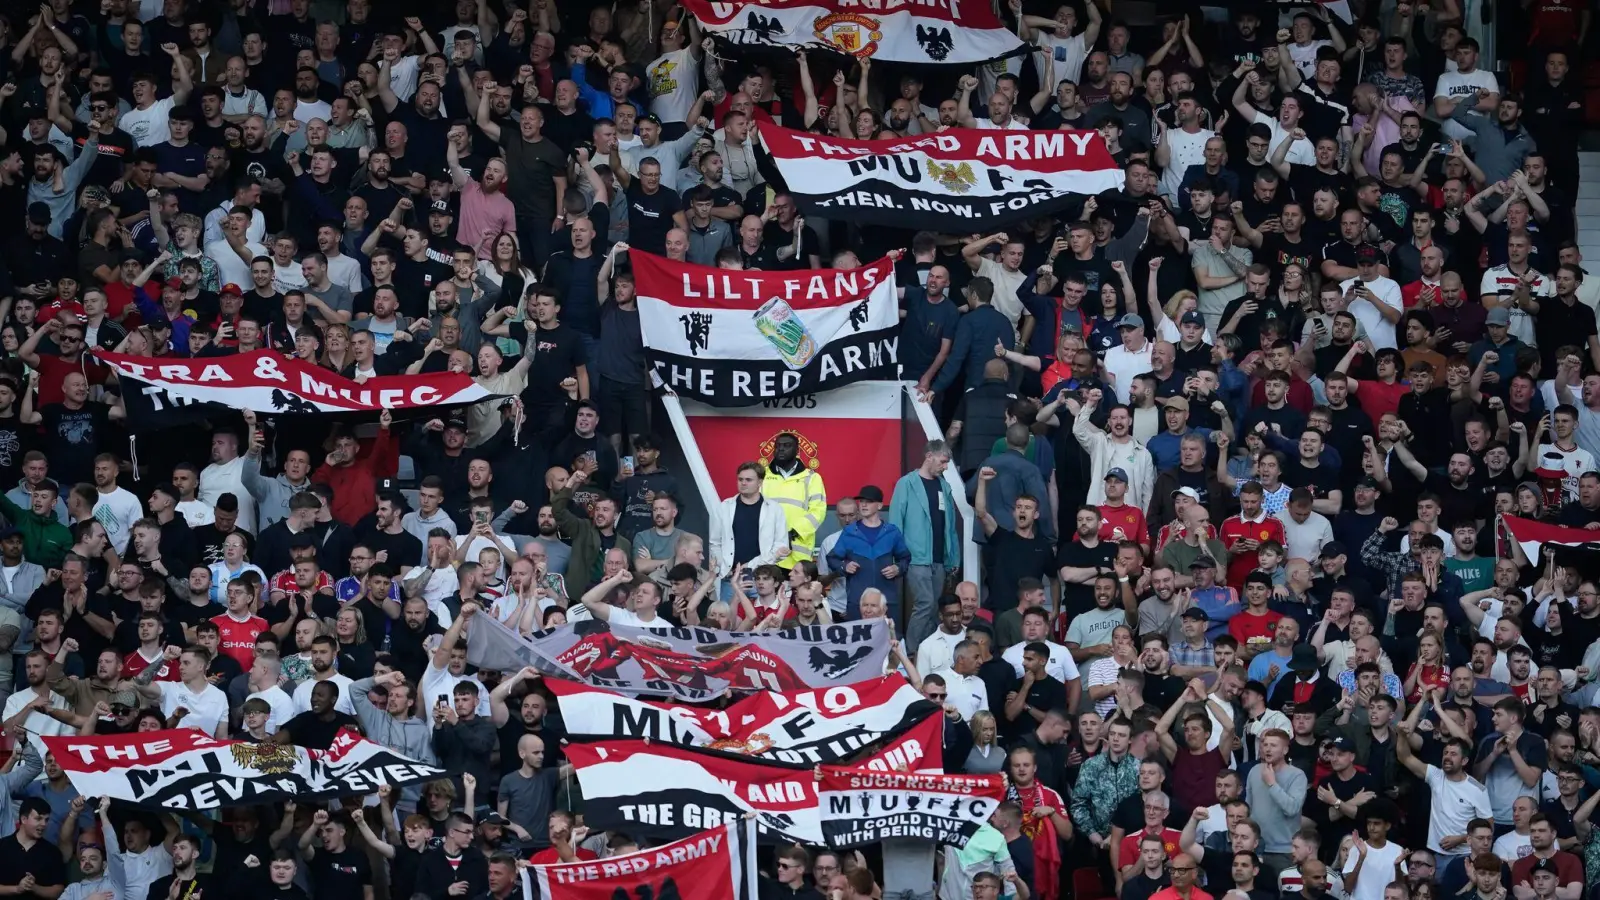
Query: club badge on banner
x=739 y=338
x=186 y=769
x=957 y=181
x=815 y=726
x=864 y=806
x=692 y=664
x=716 y=864
x=927 y=32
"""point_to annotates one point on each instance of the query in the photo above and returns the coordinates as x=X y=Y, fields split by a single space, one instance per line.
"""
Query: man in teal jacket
x=924 y=509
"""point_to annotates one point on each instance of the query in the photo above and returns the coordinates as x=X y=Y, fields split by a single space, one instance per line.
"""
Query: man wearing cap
x=1544 y=880
x=1120 y=521
x=1166 y=451
x=1132 y=358
x=871 y=552
x=1373 y=297
x=1547 y=859
x=1195 y=538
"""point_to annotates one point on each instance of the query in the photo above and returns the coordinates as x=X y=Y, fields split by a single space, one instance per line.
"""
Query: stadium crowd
x=1237 y=439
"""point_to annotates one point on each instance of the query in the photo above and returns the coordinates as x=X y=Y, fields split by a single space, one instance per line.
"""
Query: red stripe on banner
x=852 y=778
x=704 y=866
x=1061 y=150
x=761 y=784
x=975 y=16
x=851 y=452
x=1533 y=530
x=704 y=287
x=108 y=753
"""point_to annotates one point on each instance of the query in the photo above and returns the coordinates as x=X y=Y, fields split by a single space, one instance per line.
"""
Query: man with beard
x=392 y=719
x=185 y=880
x=531 y=717
x=324 y=650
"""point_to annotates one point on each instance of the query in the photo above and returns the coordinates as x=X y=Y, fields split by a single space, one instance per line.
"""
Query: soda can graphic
x=787 y=332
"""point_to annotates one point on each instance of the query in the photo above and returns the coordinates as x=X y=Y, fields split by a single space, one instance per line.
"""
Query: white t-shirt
x=938 y=649
x=439 y=681
x=674 y=83
x=38 y=724
x=207 y=710
x=1455 y=803
x=1380 y=331
x=316 y=109
x=1301 y=152
x=302 y=695
x=989 y=74
x=987 y=124
x=1463 y=89
x=117 y=511
x=148 y=127
x=1006 y=283
x=282 y=707
x=286 y=278
x=1512 y=846
x=967 y=693
x=1060 y=667
x=248 y=102
x=1186 y=150
x=230 y=268
x=1123 y=365
x=1305 y=58
x=228 y=478
x=1501 y=282
x=1305 y=540
x=1067 y=53
x=1574 y=462
x=1380 y=862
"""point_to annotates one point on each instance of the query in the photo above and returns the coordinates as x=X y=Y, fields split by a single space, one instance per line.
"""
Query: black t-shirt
x=746 y=531
x=1012 y=558
x=208 y=540
x=559 y=353
x=72 y=439
x=931 y=487
x=1043 y=695
x=403 y=549
x=1079 y=598
x=774 y=236
x=650 y=217
x=1278 y=252
x=1558 y=325
x=339 y=876
x=188 y=889
x=1307 y=180
x=1320 y=479
x=309 y=730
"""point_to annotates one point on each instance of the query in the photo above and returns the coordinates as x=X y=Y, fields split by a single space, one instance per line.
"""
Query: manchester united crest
x=850 y=33
x=957 y=178
x=808 y=450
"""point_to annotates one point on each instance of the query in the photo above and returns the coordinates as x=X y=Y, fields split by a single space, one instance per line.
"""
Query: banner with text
x=735 y=338
x=943 y=31
x=884 y=716
x=692 y=664
x=716 y=864
x=959 y=181
x=268 y=382
x=186 y=769
x=864 y=806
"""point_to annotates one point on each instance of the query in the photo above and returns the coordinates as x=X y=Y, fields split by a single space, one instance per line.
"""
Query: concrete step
x=1588 y=188
x=1588 y=236
x=1587 y=207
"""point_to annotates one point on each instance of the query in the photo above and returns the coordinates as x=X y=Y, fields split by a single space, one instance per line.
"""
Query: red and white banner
x=716 y=864
x=959 y=181
x=736 y=338
x=1532 y=535
x=928 y=31
x=853 y=436
x=885 y=717
x=268 y=382
x=865 y=806
x=187 y=769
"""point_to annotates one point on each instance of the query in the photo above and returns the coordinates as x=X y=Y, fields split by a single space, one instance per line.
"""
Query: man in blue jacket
x=872 y=552
x=924 y=510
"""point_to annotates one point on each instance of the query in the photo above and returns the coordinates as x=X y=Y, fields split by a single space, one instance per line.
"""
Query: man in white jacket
x=1114 y=448
x=750 y=529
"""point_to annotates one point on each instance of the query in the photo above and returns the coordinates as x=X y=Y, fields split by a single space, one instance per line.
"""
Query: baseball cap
x=1332 y=549
x=871 y=493
x=7 y=531
x=1203 y=562
x=38 y=213
x=175 y=283
x=1367 y=253
x=159 y=322
x=1118 y=473
x=127 y=699
x=1177 y=403
x=1130 y=320
x=494 y=818
x=439 y=207
x=1545 y=865
x=1369 y=482
x=1195 y=612
x=457 y=420
x=1189 y=492
x=1192 y=318
x=1342 y=744
x=1497 y=316
x=231 y=288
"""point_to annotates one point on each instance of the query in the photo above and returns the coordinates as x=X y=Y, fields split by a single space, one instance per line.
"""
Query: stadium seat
x=412 y=495
x=1086 y=884
x=407 y=471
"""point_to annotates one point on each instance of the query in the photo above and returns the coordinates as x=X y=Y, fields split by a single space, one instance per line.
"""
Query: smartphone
x=1443 y=148
x=444 y=698
x=627 y=464
x=480 y=516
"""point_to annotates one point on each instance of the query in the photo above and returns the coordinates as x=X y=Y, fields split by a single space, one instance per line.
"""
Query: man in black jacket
x=456 y=861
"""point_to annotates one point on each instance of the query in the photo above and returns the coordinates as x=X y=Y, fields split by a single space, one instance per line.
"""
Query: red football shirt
x=1130 y=845
x=135 y=663
x=239 y=638
x=1247 y=626
x=1126 y=517
x=1243 y=562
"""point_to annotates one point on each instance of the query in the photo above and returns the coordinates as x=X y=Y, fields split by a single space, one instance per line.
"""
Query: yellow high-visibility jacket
x=804 y=502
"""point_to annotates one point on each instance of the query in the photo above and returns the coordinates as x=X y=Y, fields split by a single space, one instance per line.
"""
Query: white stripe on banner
x=913 y=33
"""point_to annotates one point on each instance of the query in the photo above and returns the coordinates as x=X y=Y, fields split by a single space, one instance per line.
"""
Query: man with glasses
x=68 y=358
x=1183 y=870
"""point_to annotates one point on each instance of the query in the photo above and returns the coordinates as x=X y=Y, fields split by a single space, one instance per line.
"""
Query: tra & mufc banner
x=961 y=181
x=941 y=31
x=863 y=806
x=814 y=726
x=268 y=382
x=716 y=864
x=692 y=664
x=737 y=338
x=186 y=769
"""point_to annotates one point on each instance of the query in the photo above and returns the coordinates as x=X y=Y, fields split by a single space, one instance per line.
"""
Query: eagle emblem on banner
x=268 y=759
x=850 y=33
x=957 y=178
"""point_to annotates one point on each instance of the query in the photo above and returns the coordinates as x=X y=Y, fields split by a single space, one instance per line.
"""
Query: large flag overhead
x=736 y=338
x=959 y=181
x=932 y=31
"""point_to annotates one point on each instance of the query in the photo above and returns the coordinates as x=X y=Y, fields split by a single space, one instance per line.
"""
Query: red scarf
x=1042 y=831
